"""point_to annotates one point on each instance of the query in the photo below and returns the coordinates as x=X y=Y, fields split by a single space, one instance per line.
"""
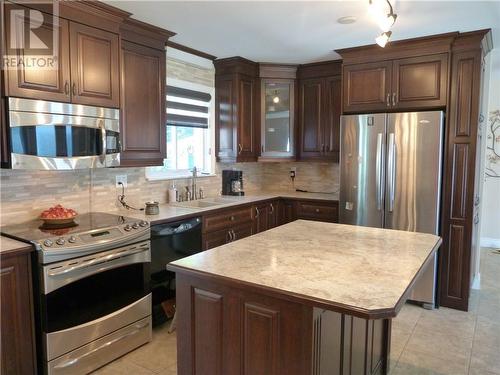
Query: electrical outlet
x=293 y=172
x=121 y=178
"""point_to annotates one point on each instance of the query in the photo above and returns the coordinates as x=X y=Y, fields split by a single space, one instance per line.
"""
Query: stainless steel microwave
x=62 y=136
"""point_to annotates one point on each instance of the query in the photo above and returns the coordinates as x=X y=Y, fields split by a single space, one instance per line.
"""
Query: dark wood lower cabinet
x=17 y=325
x=226 y=328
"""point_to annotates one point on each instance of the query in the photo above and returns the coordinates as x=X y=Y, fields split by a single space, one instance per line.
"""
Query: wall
x=490 y=217
x=24 y=194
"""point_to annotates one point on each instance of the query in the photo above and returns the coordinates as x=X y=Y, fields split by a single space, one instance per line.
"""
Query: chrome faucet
x=194 y=194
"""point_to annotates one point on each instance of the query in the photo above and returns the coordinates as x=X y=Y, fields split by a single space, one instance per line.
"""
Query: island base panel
x=226 y=329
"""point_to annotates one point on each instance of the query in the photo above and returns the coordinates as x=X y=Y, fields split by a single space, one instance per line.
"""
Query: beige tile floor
x=438 y=342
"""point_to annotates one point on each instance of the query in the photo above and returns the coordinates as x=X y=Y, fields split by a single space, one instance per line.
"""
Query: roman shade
x=187 y=108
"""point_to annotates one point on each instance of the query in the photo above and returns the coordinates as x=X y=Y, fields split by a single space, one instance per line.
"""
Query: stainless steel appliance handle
x=378 y=171
x=391 y=166
x=73 y=361
x=103 y=139
x=103 y=259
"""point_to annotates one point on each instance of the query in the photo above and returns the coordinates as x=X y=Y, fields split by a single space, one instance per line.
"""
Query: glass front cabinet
x=277 y=118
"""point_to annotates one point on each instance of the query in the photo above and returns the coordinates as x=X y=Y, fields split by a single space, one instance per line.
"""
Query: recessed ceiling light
x=347 y=20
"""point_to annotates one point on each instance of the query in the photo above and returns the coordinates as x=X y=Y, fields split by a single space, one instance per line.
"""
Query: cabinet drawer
x=317 y=211
x=227 y=219
x=224 y=236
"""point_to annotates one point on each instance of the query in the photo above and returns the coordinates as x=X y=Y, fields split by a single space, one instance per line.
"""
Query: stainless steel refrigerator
x=390 y=177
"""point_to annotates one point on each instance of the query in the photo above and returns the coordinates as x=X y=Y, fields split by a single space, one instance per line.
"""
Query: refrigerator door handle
x=378 y=172
x=391 y=167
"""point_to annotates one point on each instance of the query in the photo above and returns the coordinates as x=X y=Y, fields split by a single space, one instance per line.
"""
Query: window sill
x=177 y=177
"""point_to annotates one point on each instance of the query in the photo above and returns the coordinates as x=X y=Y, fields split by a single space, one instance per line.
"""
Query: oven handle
x=103 y=140
x=103 y=259
x=138 y=328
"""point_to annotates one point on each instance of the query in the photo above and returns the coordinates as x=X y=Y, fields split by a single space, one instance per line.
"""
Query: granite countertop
x=171 y=212
x=345 y=267
x=8 y=246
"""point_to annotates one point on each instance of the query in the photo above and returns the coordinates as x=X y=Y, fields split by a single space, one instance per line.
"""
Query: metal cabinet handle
x=388 y=100
x=234 y=235
x=228 y=236
x=66 y=88
x=240 y=148
x=394 y=99
x=317 y=210
x=232 y=218
x=74 y=89
x=272 y=209
x=257 y=212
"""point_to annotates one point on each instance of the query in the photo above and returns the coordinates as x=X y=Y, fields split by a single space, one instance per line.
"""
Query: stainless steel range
x=92 y=284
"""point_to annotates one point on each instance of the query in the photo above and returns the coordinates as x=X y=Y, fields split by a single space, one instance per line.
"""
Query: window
x=189 y=113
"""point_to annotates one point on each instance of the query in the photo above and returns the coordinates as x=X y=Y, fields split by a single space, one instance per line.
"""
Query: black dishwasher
x=169 y=242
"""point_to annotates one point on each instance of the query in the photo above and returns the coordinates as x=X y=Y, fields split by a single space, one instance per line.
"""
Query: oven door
x=86 y=298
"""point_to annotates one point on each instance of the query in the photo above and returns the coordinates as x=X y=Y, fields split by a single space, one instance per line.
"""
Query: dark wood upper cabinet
x=406 y=75
x=236 y=109
x=319 y=111
x=143 y=105
x=95 y=66
x=17 y=323
x=367 y=86
x=332 y=119
x=50 y=82
x=311 y=92
x=420 y=82
x=142 y=93
x=86 y=68
x=246 y=127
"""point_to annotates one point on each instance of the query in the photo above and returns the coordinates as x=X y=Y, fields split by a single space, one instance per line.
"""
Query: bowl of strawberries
x=58 y=215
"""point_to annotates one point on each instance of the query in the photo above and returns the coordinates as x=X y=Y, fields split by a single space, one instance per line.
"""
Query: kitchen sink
x=204 y=203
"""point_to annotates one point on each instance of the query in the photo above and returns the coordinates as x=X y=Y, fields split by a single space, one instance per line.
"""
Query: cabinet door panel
x=143 y=106
x=286 y=212
x=94 y=66
x=243 y=231
x=367 y=86
x=50 y=82
x=420 y=82
x=225 y=140
x=246 y=132
x=215 y=239
x=17 y=323
x=261 y=218
x=311 y=137
x=332 y=118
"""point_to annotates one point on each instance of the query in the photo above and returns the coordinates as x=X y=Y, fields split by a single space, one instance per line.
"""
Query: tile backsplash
x=24 y=194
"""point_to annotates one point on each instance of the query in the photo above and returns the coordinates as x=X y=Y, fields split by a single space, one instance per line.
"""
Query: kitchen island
x=303 y=298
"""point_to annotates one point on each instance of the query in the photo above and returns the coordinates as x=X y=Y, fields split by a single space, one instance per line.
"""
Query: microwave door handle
x=103 y=138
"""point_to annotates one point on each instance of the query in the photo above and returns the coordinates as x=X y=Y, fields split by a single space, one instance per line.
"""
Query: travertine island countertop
x=367 y=271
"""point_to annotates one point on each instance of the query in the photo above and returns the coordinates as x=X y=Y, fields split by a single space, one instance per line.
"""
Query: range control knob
x=135 y=225
x=48 y=243
x=127 y=228
x=72 y=239
x=61 y=241
x=143 y=223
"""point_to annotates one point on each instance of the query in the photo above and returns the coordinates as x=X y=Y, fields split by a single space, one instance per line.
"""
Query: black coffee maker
x=232 y=182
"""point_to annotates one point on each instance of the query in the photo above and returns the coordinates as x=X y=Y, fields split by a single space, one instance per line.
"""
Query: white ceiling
x=302 y=31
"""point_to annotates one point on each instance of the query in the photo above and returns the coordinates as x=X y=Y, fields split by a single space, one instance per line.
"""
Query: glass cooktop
x=35 y=230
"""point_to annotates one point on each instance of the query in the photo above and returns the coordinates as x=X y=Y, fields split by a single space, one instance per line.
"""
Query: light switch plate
x=121 y=178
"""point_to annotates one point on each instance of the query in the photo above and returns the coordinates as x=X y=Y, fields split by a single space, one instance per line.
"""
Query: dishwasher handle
x=169 y=229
